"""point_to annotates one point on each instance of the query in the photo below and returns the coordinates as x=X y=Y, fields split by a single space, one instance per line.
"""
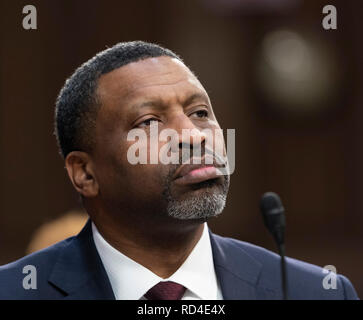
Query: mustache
x=187 y=150
x=187 y=155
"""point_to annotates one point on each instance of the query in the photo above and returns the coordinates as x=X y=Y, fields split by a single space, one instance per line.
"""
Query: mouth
x=193 y=174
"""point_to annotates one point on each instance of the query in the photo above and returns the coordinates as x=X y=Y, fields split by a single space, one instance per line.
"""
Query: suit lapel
x=79 y=272
x=237 y=271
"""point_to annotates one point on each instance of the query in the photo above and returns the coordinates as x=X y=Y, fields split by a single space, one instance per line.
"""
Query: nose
x=189 y=135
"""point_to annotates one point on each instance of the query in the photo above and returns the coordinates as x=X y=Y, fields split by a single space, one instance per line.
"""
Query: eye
x=147 y=122
x=201 y=113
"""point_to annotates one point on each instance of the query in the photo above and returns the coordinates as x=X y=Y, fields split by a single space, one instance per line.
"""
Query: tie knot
x=165 y=290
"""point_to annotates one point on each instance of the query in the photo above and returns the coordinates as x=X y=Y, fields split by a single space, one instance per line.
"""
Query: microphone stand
x=281 y=249
x=274 y=217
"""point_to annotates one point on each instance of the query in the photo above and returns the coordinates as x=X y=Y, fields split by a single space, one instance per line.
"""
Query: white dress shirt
x=130 y=280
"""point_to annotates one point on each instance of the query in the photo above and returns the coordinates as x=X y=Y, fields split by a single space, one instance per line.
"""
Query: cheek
x=220 y=146
x=143 y=185
x=214 y=139
x=142 y=178
x=134 y=186
x=121 y=180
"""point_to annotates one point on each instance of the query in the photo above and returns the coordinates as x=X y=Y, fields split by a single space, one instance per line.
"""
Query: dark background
x=313 y=160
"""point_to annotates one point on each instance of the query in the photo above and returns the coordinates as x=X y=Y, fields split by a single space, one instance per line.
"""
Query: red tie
x=166 y=290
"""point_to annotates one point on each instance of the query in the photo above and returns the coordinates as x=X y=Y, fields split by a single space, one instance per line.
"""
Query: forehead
x=162 y=78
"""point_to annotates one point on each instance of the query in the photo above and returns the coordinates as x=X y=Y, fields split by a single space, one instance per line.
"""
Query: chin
x=202 y=205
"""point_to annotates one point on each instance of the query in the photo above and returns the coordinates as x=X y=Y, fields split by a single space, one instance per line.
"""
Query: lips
x=195 y=173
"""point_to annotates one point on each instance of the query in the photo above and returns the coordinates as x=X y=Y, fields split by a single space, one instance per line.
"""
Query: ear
x=80 y=170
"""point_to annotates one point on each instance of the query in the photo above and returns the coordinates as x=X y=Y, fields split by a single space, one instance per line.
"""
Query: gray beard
x=209 y=203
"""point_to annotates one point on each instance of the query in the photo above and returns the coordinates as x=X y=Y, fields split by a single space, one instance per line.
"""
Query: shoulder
x=16 y=275
x=305 y=280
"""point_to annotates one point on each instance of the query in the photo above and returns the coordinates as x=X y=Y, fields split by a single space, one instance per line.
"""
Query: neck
x=160 y=247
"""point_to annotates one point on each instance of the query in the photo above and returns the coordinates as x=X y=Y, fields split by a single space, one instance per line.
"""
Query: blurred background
x=292 y=90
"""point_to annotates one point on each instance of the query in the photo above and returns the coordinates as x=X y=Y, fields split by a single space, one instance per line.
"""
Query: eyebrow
x=158 y=102
x=195 y=96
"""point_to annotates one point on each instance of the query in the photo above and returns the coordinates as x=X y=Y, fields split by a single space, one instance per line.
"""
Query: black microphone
x=274 y=217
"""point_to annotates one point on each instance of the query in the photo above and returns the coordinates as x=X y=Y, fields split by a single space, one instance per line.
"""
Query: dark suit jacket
x=72 y=269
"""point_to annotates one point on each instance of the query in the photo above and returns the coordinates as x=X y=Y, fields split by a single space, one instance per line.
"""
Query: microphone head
x=270 y=201
x=273 y=214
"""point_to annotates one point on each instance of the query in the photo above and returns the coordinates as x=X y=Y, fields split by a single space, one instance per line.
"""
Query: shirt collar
x=130 y=280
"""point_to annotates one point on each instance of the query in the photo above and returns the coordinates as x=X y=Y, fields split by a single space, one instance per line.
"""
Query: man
x=147 y=236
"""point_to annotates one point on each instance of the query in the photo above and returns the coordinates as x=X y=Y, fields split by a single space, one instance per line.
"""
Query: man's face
x=134 y=96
